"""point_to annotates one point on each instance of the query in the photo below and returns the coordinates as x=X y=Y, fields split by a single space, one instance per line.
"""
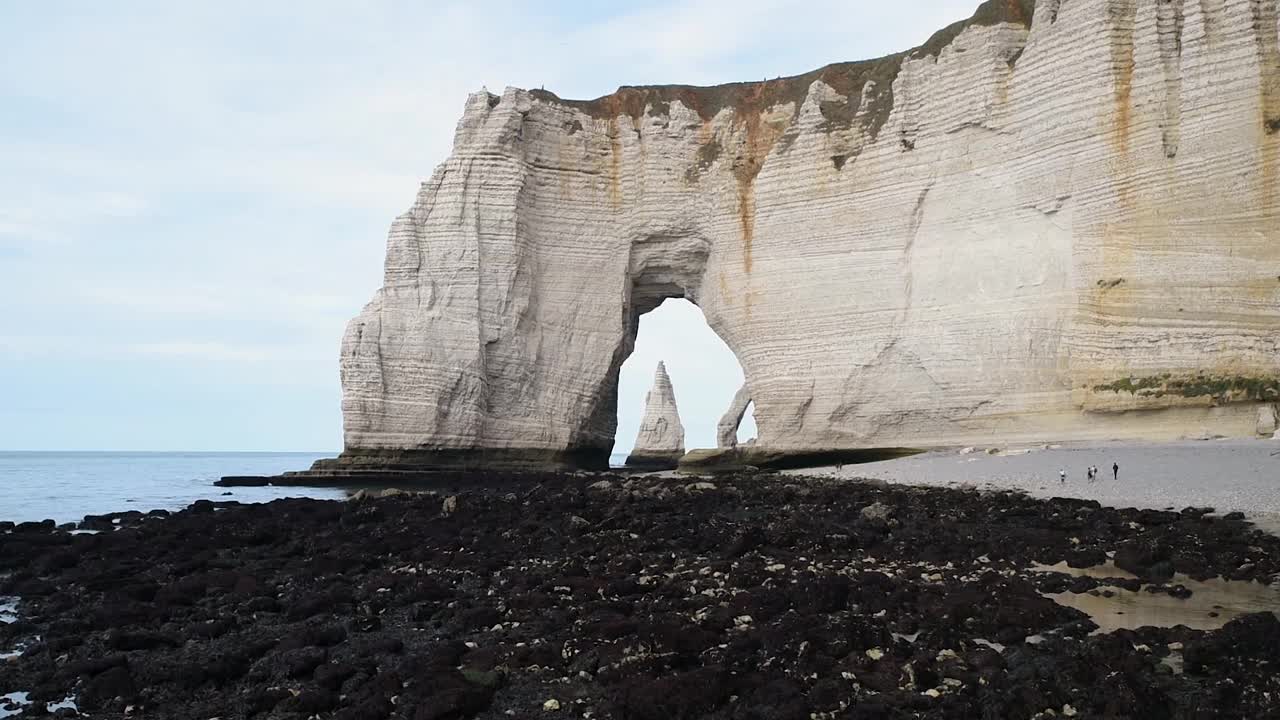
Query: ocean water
x=66 y=486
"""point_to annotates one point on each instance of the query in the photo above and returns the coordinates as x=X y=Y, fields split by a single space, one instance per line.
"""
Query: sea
x=66 y=486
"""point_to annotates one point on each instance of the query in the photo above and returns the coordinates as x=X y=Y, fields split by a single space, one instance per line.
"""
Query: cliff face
x=660 y=441
x=1058 y=220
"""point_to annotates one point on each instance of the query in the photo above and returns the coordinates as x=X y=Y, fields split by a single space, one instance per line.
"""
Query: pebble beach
x=1227 y=475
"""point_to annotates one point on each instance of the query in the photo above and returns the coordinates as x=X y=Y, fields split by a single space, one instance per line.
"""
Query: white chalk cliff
x=1268 y=421
x=1058 y=220
x=660 y=440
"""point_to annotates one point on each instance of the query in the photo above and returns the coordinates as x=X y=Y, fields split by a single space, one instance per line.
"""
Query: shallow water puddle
x=1213 y=603
x=1103 y=571
x=19 y=701
x=16 y=700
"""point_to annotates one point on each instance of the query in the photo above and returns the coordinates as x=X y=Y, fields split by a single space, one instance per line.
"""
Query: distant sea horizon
x=329 y=453
x=66 y=485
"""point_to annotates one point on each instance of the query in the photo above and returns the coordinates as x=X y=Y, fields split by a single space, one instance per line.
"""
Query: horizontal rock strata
x=727 y=428
x=660 y=440
x=1057 y=220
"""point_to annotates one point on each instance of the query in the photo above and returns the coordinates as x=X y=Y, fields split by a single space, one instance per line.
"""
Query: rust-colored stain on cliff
x=758 y=139
x=615 y=164
x=1017 y=11
x=747 y=220
x=1123 y=13
x=1124 y=103
x=1122 y=64
x=747 y=166
x=706 y=133
x=1268 y=52
x=749 y=100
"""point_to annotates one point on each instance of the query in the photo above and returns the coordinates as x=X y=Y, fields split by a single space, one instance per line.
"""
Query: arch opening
x=705 y=375
x=747 y=428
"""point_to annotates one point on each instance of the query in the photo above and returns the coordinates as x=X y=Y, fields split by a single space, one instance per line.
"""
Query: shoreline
x=1230 y=475
x=632 y=596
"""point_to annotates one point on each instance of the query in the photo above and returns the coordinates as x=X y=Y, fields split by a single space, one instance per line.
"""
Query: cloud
x=75 y=346
x=212 y=300
x=116 y=204
x=16 y=222
x=201 y=350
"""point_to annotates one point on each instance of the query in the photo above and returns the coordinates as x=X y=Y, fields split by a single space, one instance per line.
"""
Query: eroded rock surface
x=1268 y=421
x=727 y=428
x=660 y=441
x=1057 y=220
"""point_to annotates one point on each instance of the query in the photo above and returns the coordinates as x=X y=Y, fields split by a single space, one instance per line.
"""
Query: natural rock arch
x=984 y=239
x=661 y=267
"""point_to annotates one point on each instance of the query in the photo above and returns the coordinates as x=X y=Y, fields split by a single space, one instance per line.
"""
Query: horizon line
x=291 y=452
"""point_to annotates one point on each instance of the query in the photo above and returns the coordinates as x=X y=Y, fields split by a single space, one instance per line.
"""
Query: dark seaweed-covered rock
x=1256 y=636
x=1141 y=555
x=761 y=597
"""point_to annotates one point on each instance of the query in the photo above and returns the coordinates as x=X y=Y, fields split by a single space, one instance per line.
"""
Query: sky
x=194 y=197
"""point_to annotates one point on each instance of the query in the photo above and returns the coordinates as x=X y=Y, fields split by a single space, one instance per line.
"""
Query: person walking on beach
x=1115 y=471
x=1062 y=477
x=1088 y=473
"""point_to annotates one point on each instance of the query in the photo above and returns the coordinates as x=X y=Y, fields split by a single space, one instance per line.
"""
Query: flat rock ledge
x=647 y=461
x=750 y=457
x=427 y=467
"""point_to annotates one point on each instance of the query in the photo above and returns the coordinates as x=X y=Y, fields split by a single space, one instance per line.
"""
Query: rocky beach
x=637 y=596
